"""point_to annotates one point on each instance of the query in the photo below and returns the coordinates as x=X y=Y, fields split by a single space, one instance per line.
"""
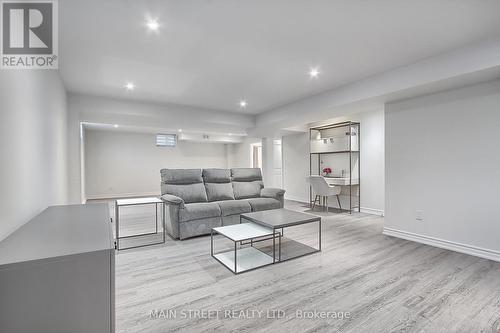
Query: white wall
x=442 y=159
x=33 y=147
x=296 y=162
x=141 y=115
x=128 y=164
x=240 y=155
x=296 y=166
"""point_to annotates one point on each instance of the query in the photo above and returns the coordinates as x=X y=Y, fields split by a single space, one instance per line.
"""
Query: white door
x=257 y=156
x=278 y=164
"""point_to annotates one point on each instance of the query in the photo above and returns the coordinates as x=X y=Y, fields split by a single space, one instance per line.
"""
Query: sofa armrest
x=172 y=200
x=275 y=193
x=268 y=192
x=171 y=213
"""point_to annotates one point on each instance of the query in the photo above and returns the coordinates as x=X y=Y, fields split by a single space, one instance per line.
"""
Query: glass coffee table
x=260 y=227
x=280 y=219
x=239 y=260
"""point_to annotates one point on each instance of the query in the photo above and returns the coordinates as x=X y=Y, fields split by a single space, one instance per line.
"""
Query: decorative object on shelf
x=327 y=172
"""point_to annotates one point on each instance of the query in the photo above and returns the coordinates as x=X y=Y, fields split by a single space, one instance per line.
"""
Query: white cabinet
x=57 y=272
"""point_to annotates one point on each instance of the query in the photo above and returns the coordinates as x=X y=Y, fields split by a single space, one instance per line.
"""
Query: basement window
x=166 y=140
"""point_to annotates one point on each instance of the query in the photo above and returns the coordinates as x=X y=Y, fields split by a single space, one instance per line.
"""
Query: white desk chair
x=321 y=189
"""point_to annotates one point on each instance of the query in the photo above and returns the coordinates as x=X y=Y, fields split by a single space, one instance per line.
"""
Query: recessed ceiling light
x=115 y=125
x=314 y=72
x=153 y=25
x=243 y=103
x=180 y=130
x=229 y=134
x=130 y=86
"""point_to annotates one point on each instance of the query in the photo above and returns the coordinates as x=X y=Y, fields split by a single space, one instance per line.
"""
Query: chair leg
x=314 y=202
x=326 y=205
x=338 y=199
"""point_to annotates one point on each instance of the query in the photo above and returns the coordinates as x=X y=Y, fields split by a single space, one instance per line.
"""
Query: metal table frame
x=281 y=233
x=250 y=240
x=117 y=222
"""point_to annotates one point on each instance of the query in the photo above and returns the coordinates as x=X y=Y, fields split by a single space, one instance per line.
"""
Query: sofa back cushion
x=181 y=176
x=218 y=184
x=188 y=192
x=247 y=182
x=216 y=175
x=219 y=191
x=184 y=183
x=246 y=174
x=245 y=190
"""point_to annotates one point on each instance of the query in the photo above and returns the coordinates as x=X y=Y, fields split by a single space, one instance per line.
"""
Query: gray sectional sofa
x=197 y=200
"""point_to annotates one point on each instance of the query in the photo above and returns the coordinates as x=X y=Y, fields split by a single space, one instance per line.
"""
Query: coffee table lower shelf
x=243 y=259
x=246 y=259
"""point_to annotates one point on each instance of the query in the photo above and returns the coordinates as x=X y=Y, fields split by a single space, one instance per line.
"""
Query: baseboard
x=122 y=195
x=366 y=210
x=444 y=244
x=293 y=198
x=373 y=211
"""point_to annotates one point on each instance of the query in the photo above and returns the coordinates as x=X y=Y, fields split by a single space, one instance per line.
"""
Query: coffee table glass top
x=245 y=231
x=280 y=218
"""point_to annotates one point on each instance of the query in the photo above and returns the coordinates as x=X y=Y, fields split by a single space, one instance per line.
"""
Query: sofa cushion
x=259 y=204
x=230 y=219
x=216 y=176
x=188 y=193
x=198 y=227
x=217 y=192
x=181 y=176
x=195 y=211
x=246 y=174
x=244 y=190
x=233 y=207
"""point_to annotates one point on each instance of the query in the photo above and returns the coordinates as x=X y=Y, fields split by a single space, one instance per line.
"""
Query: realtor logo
x=29 y=34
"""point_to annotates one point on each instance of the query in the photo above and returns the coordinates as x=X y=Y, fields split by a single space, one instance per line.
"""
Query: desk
x=340 y=181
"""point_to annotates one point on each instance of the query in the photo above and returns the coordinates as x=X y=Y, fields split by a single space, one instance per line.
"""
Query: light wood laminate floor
x=385 y=284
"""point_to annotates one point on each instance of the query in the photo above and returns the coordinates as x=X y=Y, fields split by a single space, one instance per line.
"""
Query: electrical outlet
x=419 y=215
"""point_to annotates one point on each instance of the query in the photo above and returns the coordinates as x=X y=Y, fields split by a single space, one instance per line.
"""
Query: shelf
x=337 y=152
x=248 y=258
x=339 y=181
x=344 y=124
x=335 y=137
x=337 y=146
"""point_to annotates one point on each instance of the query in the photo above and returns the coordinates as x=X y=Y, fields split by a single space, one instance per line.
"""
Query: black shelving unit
x=338 y=139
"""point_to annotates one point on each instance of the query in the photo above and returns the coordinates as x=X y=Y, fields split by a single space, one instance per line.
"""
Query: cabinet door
x=65 y=294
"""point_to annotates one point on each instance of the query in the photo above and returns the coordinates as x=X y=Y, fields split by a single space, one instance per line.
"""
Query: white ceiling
x=211 y=53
